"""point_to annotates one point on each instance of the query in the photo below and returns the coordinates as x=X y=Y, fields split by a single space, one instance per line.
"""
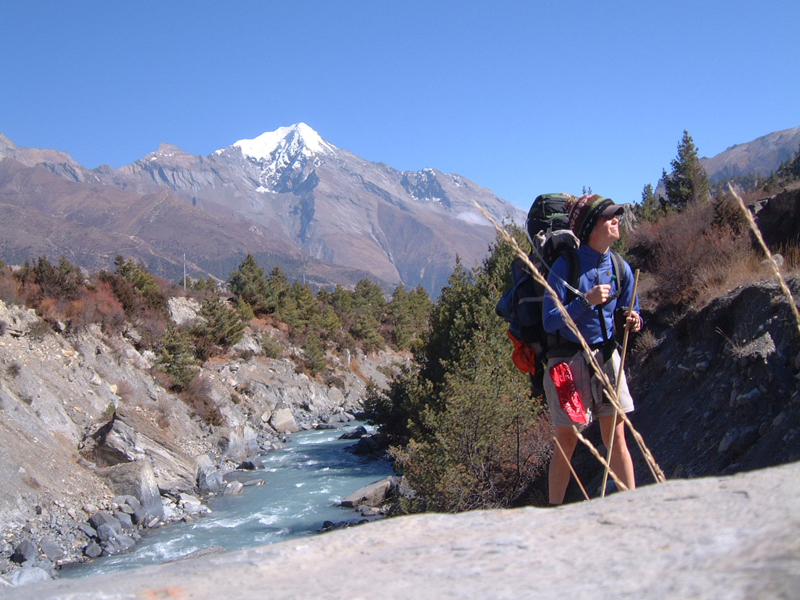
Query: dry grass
x=125 y=392
x=165 y=411
x=772 y=263
x=692 y=255
x=644 y=343
x=198 y=397
x=695 y=256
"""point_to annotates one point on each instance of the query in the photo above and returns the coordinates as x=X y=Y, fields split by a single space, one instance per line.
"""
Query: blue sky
x=520 y=97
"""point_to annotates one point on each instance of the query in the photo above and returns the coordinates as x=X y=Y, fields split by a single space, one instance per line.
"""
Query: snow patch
x=298 y=137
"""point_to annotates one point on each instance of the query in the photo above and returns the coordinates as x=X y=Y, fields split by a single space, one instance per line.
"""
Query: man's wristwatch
x=585 y=301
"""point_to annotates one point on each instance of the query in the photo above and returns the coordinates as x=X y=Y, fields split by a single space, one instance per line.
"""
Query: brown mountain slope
x=90 y=224
x=762 y=155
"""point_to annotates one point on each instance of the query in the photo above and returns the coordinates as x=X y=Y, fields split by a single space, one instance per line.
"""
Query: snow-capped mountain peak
x=299 y=138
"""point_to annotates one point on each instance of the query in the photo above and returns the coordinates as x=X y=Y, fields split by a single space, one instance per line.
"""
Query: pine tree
x=343 y=304
x=176 y=357
x=314 y=355
x=143 y=281
x=219 y=324
x=368 y=297
x=421 y=306
x=687 y=183
x=307 y=311
x=466 y=411
x=651 y=208
x=328 y=323
x=248 y=283
x=276 y=290
x=789 y=170
x=401 y=318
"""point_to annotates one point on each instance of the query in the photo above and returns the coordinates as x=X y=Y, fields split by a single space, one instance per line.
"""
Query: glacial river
x=303 y=484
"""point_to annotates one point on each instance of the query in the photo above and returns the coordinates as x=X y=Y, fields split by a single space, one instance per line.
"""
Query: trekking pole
x=618 y=383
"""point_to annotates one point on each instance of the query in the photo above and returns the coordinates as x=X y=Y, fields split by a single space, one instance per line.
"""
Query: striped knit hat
x=586 y=211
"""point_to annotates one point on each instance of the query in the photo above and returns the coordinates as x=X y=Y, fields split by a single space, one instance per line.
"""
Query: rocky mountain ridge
x=761 y=156
x=289 y=196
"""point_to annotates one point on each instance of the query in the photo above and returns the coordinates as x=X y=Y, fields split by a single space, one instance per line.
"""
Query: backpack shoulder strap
x=573 y=273
x=619 y=268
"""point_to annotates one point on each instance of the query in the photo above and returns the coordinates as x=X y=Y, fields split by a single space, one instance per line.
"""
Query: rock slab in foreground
x=733 y=538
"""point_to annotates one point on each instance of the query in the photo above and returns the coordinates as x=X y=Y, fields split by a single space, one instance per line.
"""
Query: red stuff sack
x=568 y=395
x=524 y=356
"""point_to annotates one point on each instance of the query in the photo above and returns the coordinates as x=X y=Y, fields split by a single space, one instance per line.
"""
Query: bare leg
x=621 y=462
x=559 y=475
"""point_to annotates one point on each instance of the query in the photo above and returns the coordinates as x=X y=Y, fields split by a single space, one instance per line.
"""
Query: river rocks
x=108 y=534
x=51 y=549
x=80 y=408
x=130 y=438
x=137 y=480
x=374 y=494
x=24 y=552
x=354 y=434
x=236 y=443
x=252 y=463
x=130 y=505
x=331 y=525
x=234 y=488
x=101 y=519
x=374 y=444
x=93 y=550
x=210 y=481
x=192 y=505
x=282 y=420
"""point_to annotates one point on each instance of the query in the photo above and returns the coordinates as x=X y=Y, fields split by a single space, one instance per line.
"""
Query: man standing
x=573 y=394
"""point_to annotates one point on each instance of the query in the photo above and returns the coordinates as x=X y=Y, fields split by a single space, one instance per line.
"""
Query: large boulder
x=282 y=420
x=374 y=494
x=132 y=438
x=210 y=481
x=354 y=434
x=137 y=479
x=237 y=443
x=25 y=552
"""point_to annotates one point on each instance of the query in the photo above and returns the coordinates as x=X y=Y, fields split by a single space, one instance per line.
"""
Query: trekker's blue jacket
x=595 y=269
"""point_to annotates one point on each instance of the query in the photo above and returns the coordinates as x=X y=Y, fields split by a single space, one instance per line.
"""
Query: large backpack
x=548 y=230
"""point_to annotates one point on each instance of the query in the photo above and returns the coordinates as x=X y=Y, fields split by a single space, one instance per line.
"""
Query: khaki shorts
x=589 y=388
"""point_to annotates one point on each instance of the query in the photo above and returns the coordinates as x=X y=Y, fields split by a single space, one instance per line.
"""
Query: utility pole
x=184 y=272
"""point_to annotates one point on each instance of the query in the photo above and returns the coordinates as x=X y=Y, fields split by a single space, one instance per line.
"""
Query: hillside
x=761 y=156
x=86 y=421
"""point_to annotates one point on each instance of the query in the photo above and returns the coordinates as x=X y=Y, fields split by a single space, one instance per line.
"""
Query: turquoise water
x=303 y=484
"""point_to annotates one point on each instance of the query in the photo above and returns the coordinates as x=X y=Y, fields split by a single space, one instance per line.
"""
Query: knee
x=567 y=439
